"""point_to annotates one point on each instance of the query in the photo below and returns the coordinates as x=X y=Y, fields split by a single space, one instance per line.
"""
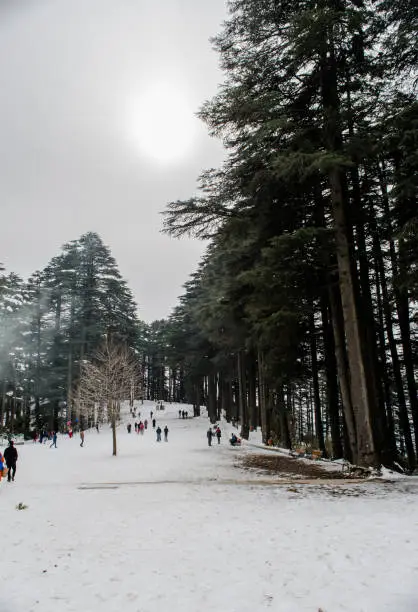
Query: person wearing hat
x=10 y=457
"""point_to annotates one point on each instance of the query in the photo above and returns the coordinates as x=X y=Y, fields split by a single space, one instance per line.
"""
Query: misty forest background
x=302 y=316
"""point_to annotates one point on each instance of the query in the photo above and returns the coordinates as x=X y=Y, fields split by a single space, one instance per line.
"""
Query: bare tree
x=107 y=380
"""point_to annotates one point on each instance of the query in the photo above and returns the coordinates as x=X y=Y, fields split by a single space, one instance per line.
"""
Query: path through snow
x=182 y=529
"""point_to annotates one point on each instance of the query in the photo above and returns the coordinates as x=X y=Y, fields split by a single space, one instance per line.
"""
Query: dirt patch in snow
x=289 y=467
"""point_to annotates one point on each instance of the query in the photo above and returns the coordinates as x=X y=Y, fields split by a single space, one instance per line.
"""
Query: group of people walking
x=8 y=462
x=52 y=436
x=216 y=432
x=159 y=432
x=211 y=433
x=70 y=435
x=143 y=425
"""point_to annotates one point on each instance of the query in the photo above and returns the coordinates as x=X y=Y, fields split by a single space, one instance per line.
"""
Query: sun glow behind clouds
x=162 y=123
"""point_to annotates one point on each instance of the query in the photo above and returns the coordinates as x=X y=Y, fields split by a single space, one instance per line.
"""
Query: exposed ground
x=289 y=467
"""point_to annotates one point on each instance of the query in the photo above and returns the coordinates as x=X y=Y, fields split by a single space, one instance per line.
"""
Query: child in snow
x=166 y=434
x=218 y=434
x=158 y=432
x=54 y=440
x=82 y=438
x=153 y=423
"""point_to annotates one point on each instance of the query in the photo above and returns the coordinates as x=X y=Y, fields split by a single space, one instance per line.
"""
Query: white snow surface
x=179 y=527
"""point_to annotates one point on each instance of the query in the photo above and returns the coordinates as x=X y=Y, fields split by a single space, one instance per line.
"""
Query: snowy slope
x=175 y=526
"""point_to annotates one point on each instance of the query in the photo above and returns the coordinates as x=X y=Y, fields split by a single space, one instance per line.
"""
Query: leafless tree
x=106 y=381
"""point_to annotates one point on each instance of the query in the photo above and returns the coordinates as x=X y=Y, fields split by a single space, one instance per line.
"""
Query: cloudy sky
x=97 y=131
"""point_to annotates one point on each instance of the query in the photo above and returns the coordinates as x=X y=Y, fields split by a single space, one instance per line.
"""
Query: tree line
x=54 y=323
x=302 y=316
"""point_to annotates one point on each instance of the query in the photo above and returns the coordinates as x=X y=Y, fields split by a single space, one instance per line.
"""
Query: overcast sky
x=97 y=131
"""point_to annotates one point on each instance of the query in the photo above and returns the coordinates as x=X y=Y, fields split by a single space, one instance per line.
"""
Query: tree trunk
x=396 y=366
x=332 y=380
x=242 y=395
x=212 y=412
x=402 y=303
x=343 y=374
x=385 y=374
x=366 y=452
x=262 y=394
x=252 y=399
x=363 y=297
x=315 y=382
x=284 y=423
x=226 y=397
x=114 y=453
x=402 y=308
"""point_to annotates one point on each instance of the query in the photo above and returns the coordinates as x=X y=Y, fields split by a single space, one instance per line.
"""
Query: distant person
x=54 y=440
x=187 y=414
x=166 y=434
x=153 y=423
x=2 y=466
x=150 y=414
x=11 y=457
x=209 y=435
x=218 y=434
x=129 y=427
x=234 y=440
x=146 y=424
x=97 y=426
x=158 y=432
x=136 y=427
x=82 y=438
x=141 y=428
x=179 y=414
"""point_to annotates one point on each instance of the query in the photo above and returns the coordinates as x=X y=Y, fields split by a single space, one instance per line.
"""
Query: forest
x=302 y=316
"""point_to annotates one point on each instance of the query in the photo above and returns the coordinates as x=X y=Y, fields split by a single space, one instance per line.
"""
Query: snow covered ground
x=176 y=526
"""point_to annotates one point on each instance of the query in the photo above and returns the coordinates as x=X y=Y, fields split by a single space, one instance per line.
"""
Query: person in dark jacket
x=166 y=434
x=10 y=457
x=209 y=434
x=158 y=431
x=218 y=434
